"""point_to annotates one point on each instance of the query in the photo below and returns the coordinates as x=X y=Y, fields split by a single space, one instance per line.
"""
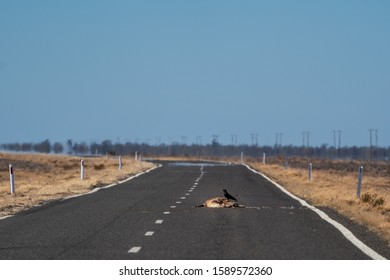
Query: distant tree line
x=214 y=149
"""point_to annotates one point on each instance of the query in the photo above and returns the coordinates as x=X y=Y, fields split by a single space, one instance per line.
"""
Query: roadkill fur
x=220 y=202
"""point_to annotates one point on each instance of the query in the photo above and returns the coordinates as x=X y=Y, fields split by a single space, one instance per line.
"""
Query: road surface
x=154 y=216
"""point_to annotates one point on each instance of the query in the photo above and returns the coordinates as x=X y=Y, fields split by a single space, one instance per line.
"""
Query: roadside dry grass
x=41 y=178
x=334 y=185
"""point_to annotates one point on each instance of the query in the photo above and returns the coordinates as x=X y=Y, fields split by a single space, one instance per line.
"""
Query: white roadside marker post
x=120 y=163
x=263 y=158
x=82 y=170
x=11 y=179
x=310 y=171
x=136 y=156
x=242 y=157
x=359 y=185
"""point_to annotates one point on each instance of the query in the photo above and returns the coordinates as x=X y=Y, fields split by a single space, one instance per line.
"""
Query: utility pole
x=215 y=139
x=339 y=142
x=306 y=136
x=376 y=138
x=371 y=130
x=376 y=143
x=278 y=139
x=234 y=139
x=257 y=139
x=339 y=150
x=372 y=147
x=254 y=139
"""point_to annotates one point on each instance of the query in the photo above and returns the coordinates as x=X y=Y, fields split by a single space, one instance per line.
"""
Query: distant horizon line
x=178 y=143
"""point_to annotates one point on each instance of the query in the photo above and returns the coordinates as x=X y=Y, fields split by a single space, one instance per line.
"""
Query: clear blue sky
x=141 y=70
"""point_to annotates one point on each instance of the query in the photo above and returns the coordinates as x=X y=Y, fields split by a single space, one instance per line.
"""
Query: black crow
x=228 y=196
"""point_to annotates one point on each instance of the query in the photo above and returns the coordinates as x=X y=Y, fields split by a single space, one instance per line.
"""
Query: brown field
x=334 y=185
x=41 y=178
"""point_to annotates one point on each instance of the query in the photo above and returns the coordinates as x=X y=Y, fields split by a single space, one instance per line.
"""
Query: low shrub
x=98 y=166
x=372 y=199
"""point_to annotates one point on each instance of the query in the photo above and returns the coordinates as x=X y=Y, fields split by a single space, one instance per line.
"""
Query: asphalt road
x=154 y=217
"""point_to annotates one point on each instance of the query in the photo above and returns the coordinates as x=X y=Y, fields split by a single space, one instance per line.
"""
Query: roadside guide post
x=11 y=179
x=82 y=170
x=359 y=185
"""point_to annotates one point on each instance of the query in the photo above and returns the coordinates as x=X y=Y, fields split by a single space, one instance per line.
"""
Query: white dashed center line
x=134 y=250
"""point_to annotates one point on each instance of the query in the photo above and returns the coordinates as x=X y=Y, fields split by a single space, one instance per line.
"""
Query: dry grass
x=336 y=188
x=40 y=178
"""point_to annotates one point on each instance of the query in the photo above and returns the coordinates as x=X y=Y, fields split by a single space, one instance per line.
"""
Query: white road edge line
x=346 y=232
x=114 y=184
x=5 y=217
